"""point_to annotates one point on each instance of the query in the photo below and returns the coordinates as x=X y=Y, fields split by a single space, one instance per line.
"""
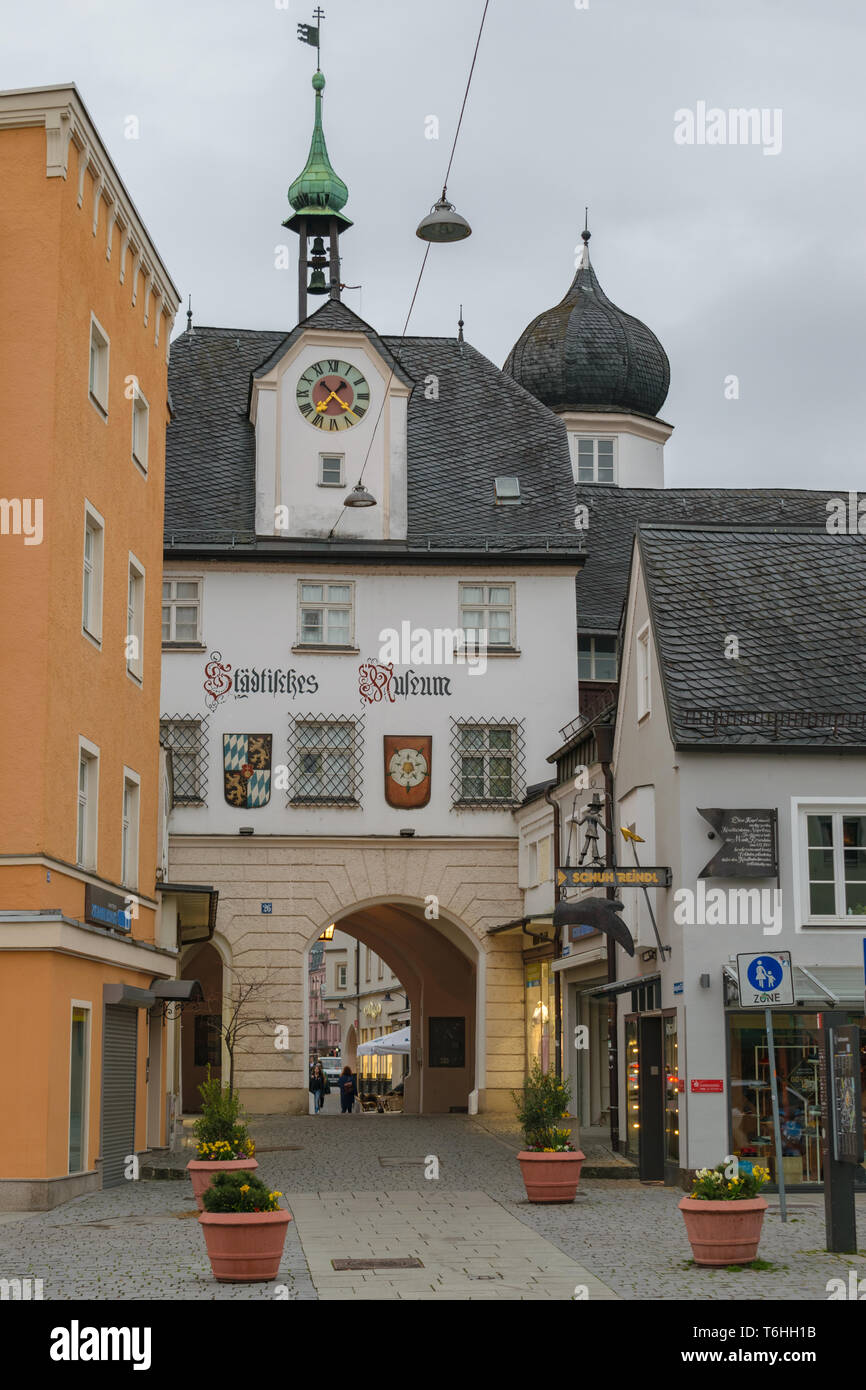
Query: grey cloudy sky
x=742 y=263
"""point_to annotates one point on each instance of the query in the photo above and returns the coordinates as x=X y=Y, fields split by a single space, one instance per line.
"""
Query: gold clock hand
x=343 y=404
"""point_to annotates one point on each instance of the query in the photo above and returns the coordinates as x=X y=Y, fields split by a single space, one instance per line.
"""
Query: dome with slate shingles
x=586 y=354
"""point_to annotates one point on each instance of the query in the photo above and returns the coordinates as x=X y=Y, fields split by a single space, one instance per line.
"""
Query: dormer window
x=507 y=491
x=595 y=460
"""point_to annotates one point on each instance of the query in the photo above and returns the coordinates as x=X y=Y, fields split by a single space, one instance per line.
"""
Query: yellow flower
x=246 y=1187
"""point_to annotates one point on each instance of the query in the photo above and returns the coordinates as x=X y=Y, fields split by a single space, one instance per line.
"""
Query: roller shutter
x=119 y=1050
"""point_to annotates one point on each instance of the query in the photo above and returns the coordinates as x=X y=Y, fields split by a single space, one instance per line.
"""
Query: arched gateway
x=425 y=907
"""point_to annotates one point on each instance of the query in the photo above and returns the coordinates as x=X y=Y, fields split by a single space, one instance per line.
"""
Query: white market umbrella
x=391 y=1042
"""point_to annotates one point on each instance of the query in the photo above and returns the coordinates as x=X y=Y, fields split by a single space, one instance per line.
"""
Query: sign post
x=841 y=1126
x=769 y=980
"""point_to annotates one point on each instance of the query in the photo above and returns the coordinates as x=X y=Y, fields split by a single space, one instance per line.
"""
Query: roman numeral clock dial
x=333 y=395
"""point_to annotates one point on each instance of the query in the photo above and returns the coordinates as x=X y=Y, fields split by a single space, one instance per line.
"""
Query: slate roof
x=587 y=353
x=614 y=514
x=796 y=601
x=482 y=425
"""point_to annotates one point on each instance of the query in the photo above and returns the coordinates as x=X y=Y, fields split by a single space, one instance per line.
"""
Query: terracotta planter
x=723 y=1233
x=245 y=1247
x=550 y=1177
x=202 y=1170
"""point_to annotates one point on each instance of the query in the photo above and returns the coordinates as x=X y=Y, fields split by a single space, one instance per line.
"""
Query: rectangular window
x=181 y=611
x=487 y=758
x=835 y=855
x=490 y=608
x=140 y=424
x=369 y=959
x=331 y=470
x=79 y=1067
x=326 y=762
x=342 y=971
x=595 y=460
x=507 y=491
x=129 y=831
x=98 y=377
x=94 y=551
x=642 y=650
x=185 y=739
x=596 y=658
x=88 y=791
x=325 y=614
x=135 y=619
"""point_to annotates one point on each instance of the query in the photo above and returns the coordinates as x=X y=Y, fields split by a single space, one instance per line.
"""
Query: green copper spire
x=318 y=190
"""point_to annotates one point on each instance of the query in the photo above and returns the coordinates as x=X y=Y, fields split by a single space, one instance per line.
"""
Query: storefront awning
x=129 y=996
x=196 y=905
x=623 y=986
x=187 y=991
x=819 y=986
x=543 y=921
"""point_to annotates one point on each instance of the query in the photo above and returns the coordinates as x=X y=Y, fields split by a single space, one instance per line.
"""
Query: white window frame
x=540 y=861
x=140 y=428
x=97 y=381
x=328 y=454
x=94 y=568
x=591 y=638
x=485 y=607
x=324 y=605
x=87 y=1006
x=486 y=753
x=838 y=808
x=643 y=672
x=173 y=602
x=503 y=496
x=130 y=821
x=190 y=731
x=135 y=582
x=595 y=440
x=86 y=855
x=342 y=973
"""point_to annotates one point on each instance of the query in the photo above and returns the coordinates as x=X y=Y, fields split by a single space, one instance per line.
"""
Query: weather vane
x=309 y=33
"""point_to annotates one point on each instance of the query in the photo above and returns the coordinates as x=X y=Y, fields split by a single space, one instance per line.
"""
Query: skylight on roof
x=507 y=491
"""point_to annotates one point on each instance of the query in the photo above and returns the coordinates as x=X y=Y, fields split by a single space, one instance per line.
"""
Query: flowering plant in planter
x=233 y=1192
x=244 y=1228
x=222 y=1140
x=713 y=1184
x=724 y=1214
x=549 y=1162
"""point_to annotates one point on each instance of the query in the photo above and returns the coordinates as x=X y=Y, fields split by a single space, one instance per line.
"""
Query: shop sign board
x=104 y=909
x=643 y=877
x=704 y=1088
x=766 y=979
x=845 y=1093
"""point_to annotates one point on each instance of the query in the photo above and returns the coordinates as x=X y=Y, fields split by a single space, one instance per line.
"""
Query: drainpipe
x=557 y=986
x=604 y=743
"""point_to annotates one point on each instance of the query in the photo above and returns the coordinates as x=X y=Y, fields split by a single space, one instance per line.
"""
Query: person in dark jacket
x=317 y=1088
x=348 y=1091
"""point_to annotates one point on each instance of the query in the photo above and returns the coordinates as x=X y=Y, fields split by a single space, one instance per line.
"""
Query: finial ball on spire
x=319 y=81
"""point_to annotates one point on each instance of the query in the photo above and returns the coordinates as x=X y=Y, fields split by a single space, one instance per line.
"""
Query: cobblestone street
x=357 y=1188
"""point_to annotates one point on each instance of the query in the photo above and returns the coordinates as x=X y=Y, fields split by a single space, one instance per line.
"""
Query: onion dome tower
x=585 y=354
x=317 y=197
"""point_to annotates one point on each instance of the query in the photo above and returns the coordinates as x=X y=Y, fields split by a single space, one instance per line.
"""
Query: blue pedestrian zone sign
x=766 y=979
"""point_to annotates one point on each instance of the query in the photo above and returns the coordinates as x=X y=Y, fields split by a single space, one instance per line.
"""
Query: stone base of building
x=43 y=1194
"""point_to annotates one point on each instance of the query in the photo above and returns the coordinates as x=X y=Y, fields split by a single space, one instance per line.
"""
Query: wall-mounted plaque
x=749 y=843
x=447 y=1042
x=104 y=909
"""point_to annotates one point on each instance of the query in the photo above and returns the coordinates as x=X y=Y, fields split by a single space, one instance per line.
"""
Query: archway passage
x=437 y=966
x=201 y=1040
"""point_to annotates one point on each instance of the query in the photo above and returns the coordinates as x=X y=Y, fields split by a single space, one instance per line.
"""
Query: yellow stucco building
x=89 y=308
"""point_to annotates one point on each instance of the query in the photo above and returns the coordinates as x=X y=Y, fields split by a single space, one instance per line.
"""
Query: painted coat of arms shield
x=247 y=769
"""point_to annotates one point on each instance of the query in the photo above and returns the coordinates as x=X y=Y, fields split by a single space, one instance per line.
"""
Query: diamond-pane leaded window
x=325 y=761
x=487 y=762
x=186 y=736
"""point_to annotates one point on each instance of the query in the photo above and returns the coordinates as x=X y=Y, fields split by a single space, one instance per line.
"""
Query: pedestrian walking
x=318 y=1086
x=348 y=1091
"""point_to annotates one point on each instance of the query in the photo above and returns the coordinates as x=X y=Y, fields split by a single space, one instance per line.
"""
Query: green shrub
x=542 y=1100
x=714 y=1185
x=221 y=1121
x=232 y=1192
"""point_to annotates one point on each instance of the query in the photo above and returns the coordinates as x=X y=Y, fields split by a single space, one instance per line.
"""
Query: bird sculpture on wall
x=600 y=913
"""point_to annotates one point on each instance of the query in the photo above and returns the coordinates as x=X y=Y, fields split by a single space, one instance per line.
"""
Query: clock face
x=333 y=395
x=408 y=767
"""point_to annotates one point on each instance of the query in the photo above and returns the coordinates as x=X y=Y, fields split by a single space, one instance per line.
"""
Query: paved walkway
x=357 y=1188
x=467 y=1247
